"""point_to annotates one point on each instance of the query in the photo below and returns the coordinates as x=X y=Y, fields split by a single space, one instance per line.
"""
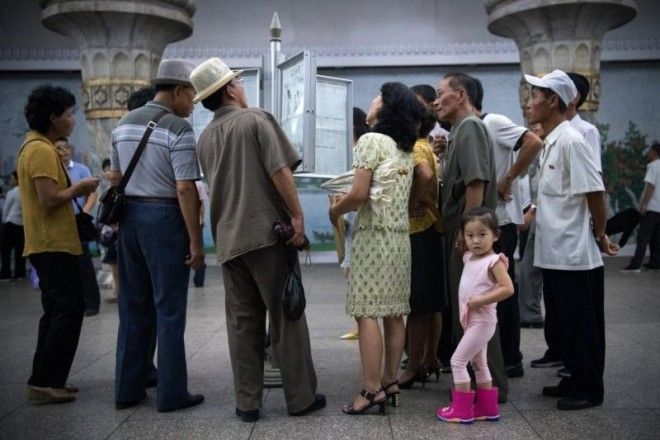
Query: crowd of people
x=433 y=215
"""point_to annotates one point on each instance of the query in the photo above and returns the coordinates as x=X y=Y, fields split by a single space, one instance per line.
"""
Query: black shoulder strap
x=68 y=184
x=138 y=152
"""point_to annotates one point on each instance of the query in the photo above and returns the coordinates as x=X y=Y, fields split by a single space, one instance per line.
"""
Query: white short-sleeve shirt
x=653 y=177
x=564 y=237
x=505 y=136
x=591 y=135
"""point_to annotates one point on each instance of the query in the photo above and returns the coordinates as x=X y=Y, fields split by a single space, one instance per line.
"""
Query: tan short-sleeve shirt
x=46 y=230
x=239 y=152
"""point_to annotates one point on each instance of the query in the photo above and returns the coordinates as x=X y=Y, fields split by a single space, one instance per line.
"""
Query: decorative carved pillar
x=121 y=43
x=559 y=34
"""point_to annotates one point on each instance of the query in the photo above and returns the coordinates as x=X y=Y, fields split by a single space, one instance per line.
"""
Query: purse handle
x=138 y=152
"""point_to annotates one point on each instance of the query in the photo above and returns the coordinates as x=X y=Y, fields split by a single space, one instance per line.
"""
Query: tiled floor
x=631 y=408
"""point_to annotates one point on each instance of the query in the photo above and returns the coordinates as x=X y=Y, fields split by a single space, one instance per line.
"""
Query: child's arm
x=503 y=290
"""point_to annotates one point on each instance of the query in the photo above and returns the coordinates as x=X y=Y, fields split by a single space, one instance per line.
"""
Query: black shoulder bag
x=85 y=222
x=113 y=200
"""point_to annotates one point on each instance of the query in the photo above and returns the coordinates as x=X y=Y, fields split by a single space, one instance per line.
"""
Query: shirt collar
x=554 y=134
x=576 y=118
x=159 y=105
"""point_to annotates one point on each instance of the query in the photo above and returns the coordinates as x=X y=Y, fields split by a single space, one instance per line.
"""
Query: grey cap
x=174 y=72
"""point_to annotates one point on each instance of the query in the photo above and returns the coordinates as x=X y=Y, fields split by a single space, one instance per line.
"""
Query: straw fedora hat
x=210 y=76
x=174 y=72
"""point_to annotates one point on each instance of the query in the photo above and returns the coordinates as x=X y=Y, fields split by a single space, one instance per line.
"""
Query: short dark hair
x=582 y=86
x=400 y=115
x=485 y=215
x=426 y=91
x=140 y=97
x=549 y=93
x=360 y=126
x=460 y=80
x=427 y=123
x=44 y=101
x=214 y=101
x=105 y=164
x=655 y=146
x=164 y=87
x=478 y=99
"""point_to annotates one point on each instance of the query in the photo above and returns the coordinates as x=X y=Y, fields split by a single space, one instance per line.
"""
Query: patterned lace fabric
x=379 y=281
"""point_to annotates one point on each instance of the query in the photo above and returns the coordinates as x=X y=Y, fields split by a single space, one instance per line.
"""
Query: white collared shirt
x=591 y=135
x=504 y=136
x=652 y=177
x=564 y=237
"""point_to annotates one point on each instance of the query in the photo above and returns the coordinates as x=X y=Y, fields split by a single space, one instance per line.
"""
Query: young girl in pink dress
x=484 y=282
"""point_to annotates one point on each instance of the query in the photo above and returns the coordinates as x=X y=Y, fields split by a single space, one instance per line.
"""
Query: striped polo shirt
x=169 y=155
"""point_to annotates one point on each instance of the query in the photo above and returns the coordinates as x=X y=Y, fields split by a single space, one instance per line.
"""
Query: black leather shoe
x=571 y=403
x=249 y=416
x=318 y=403
x=514 y=370
x=191 y=400
x=125 y=404
x=559 y=390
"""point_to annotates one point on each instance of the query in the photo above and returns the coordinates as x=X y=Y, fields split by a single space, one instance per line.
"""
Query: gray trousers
x=494 y=350
x=253 y=286
x=530 y=283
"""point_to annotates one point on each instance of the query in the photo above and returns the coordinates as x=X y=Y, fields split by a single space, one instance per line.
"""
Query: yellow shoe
x=350 y=336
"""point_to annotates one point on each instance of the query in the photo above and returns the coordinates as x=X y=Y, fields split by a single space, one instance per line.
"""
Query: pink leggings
x=472 y=348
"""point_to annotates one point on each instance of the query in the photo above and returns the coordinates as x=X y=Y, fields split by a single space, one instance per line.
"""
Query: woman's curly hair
x=44 y=101
x=400 y=116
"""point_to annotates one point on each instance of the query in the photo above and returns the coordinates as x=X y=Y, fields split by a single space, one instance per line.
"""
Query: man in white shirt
x=649 y=207
x=568 y=247
x=514 y=148
x=586 y=129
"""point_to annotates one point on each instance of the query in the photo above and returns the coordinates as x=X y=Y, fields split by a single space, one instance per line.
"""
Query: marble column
x=121 y=43
x=559 y=34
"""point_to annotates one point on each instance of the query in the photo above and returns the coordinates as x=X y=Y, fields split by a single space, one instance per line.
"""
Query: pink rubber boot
x=486 y=407
x=460 y=410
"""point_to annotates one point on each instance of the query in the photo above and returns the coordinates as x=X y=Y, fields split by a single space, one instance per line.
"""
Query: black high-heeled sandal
x=431 y=371
x=371 y=397
x=420 y=376
x=392 y=397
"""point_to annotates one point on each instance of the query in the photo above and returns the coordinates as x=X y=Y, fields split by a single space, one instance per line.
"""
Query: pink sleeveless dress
x=475 y=281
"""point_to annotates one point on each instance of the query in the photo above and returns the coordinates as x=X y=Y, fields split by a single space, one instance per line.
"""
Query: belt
x=168 y=200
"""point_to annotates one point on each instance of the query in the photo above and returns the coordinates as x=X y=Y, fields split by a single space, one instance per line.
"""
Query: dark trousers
x=59 y=326
x=91 y=291
x=253 y=285
x=623 y=223
x=577 y=297
x=508 y=311
x=648 y=235
x=13 y=240
x=153 y=291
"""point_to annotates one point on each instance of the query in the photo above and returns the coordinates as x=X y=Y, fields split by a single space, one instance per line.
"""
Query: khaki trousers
x=253 y=285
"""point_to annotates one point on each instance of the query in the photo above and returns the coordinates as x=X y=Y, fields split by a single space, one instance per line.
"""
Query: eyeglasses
x=237 y=81
x=65 y=147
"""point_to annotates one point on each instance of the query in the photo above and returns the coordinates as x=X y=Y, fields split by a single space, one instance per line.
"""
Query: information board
x=296 y=91
x=334 y=125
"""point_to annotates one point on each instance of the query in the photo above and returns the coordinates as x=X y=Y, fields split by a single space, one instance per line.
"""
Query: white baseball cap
x=557 y=81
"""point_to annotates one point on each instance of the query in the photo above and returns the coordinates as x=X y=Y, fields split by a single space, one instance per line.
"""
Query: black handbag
x=293 y=294
x=84 y=222
x=113 y=200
